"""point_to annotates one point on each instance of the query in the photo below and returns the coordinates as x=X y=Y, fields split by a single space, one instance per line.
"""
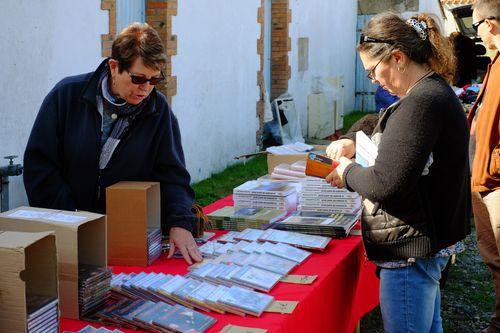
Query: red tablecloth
x=345 y=290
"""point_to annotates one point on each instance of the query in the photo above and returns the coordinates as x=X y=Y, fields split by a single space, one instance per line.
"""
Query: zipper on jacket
x=99 y=185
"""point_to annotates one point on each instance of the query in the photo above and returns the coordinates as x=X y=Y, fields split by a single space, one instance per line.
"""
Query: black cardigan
x=420 y=214
x=61 y=161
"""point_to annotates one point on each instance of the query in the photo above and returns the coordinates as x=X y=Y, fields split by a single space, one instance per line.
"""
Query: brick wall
x=158 y=15
x=107 y=40
x=280 y=46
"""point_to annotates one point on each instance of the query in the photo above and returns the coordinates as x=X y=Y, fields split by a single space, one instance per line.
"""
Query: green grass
x=221 y=184
x=351 y=118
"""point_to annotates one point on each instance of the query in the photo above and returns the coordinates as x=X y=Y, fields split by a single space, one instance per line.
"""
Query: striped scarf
x=122 y=114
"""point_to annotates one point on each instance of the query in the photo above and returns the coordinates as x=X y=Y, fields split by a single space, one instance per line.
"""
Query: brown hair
x=138 y=40
x=435 y=50
x=487 y=8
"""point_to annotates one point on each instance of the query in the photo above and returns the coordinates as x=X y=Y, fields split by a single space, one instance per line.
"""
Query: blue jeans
x=410 y=298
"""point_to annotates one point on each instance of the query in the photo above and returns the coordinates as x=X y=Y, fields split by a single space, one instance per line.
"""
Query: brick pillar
x=280 y=46
x=107 y=40
x=159 y=15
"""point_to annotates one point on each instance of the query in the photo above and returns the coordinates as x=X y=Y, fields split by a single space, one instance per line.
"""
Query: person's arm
x=405 y=147
x=43 y=161
x=177 y=196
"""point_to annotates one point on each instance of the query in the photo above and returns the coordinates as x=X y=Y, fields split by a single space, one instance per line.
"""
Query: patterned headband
x=419 y=26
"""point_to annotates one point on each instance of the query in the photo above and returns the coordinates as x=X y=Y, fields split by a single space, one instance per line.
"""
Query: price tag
x=299 y=279
x=282 y=306
x=241 y=329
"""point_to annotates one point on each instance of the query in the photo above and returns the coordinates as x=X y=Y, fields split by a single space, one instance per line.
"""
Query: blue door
x=129 y=11
x=365 y=89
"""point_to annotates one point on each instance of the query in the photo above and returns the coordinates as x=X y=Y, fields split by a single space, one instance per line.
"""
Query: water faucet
x=5 y=171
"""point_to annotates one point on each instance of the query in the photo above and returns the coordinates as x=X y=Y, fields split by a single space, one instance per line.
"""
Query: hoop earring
x=401 y=71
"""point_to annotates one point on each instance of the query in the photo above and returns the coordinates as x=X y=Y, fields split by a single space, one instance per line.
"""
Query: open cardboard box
x=131 y=208
x=273 y=160
x=80 y=239
x=28 y=264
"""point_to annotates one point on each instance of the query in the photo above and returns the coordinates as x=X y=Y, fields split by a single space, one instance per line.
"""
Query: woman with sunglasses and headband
x=96 y=129
x=417 y=193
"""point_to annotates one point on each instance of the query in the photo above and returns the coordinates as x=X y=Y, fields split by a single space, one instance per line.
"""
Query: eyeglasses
x=476 y=25
x=137 y=79
x=371 y=73
x=367 y=39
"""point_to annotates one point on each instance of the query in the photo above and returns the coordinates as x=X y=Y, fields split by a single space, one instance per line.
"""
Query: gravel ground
x=467 y=297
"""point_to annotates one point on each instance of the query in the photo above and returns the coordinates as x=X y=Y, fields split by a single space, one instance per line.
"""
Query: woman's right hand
x=342 y=147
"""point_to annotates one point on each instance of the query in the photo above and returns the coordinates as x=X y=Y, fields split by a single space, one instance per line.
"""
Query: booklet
x=366 y=150
x=246 y=300
x=257 y=278
x=182 y=319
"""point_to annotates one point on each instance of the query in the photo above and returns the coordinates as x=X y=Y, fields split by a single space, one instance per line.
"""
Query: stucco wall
x=41 y=42
x=331 y=29
x=216 y=67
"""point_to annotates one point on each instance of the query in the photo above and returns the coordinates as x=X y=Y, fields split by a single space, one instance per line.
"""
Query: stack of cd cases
x=42 y=313
x=240 y=218
x=318 y=223
x=154 y=244
x=94 y=285
x=267 y=194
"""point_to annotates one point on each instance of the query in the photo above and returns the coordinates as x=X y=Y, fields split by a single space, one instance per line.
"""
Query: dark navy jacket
x=61 y=161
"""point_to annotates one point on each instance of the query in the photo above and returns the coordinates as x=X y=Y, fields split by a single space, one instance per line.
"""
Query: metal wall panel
x=365 y=89
x=129 y=11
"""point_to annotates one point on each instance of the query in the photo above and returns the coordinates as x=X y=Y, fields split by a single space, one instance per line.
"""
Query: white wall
x=216 y=67
x=331 y=29
x=41 y=42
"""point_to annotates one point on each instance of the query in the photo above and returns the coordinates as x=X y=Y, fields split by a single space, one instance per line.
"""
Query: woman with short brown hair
x=99 y=128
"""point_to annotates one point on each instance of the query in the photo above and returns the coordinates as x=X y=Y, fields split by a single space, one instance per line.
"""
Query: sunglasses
x=476 y=25
x=367 y=39
x=138 y=79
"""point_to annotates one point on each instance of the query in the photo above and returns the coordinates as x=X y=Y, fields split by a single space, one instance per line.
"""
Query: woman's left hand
x=184 y=241
x=335 y=178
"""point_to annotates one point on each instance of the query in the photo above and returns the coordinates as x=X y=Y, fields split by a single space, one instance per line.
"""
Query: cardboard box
x=80 y=239
x=274 y=160
x=131 y=208
x=28 y=263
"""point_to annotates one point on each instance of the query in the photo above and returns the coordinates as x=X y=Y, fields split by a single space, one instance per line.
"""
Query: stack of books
x=295 y=171
x=42 y=313
x=240 y=218
x=319 y=196
x=94 y=285
x=267 y=194
x=154 y=244
x=318 y=223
